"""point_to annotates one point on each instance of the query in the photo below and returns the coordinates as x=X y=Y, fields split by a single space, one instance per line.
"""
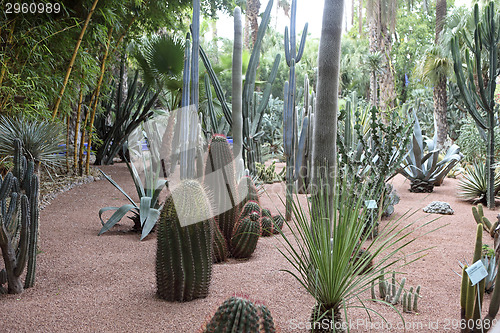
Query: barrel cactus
x=246 y=231
x=185 y=244
x=267 y=223
x=240 y=315
x=278 y=223
x=221 y=251
x=220 y=180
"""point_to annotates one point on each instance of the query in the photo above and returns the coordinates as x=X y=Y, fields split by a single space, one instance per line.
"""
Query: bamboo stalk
x=73 y=57
x=96 y=101
x=77 y=129
x=68 y=119
x=82 y=137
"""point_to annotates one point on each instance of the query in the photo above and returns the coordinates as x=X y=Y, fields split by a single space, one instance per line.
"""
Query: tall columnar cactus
x=480 y=99
x=220 y=180
x=237 y=81
x=470 y=301
x=294 y=150
x=246 y=231
x=303 y=169
x=185 y=238
x=19 y=222
x=252 y=114
x=240 y=315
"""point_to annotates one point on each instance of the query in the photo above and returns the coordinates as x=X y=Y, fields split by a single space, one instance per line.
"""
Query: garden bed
x=90 y=283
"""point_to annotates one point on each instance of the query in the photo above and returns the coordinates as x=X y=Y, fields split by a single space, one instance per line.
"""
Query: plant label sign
x=476 y=272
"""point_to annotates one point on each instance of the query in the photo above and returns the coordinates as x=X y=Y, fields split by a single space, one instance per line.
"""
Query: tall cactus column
x=290 y=113
x=237 y=83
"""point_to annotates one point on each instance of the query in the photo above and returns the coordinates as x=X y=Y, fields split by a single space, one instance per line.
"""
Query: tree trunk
x=251 y=23
x=72 y=61
x=360 y=18
x=387 y=89
x=325 y=128
x=439 y=95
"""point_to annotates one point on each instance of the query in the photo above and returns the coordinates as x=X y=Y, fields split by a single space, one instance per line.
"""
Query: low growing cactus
x=185 y=244
x=240 y=315
x=247 y=231
x=389 y=291
x=267 y=223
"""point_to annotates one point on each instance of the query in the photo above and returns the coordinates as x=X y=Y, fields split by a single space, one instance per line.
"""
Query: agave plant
x=473 y=185
x=422 y=165
x=40 y=140
x=147 y=211
x=323 y=243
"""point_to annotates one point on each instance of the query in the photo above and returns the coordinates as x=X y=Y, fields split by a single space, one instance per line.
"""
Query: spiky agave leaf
x=473 y=186
x=40 y=139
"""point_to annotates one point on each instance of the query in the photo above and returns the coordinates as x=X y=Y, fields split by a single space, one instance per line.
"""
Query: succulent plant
x=246 y=231
x=247 y=191
x=278 y=222
x=410 y=300
x=491 y=264
x=220 y=180
x=267 y=223
x=473 y=186
x=478 y=214
x=221 y=252
x=422 y=166
x=389 y=291
x=185 y=244
x=18 y=223
x=240 y=315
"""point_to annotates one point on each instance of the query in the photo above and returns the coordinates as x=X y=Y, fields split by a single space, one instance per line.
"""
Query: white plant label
x=476 y=272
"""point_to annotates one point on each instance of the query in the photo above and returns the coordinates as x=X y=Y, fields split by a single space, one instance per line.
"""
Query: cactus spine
x=184 y=250
x=19 y=222
x=481 y=98
x=240 y=315
x=292 y=154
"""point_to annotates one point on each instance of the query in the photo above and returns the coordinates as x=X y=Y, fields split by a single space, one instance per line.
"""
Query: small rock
x=439 y=207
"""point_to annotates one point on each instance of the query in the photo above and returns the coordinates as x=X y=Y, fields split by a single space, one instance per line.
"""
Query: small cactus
x=480 y=218
x=185 y=244
x=389 y=291
x=240 y=315
x=278 y=224
x=267 y=223
x=246 y=231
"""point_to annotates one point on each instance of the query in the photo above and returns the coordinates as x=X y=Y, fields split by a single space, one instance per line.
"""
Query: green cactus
x=267 y=223
x=221 y=251
x=410 y=300
x=220 y=180
x=278 y=222
x=480 y=97
x=247 y=191
x=19 y=235
x=480 y=218
x=247 y=231
x=240 y=315
x=389 y=291
x=185 y=244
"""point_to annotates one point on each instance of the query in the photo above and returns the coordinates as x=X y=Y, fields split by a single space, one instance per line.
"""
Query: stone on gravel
x=439 y=207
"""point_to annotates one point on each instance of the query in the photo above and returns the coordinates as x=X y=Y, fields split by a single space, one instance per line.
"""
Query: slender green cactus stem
x=237 y=75
x=195 y=30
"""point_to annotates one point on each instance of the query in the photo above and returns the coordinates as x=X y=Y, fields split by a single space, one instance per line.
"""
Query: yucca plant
x=147 y=211
x=40 y=140
x=323 y=243
x=473 y=186
x=422 y=165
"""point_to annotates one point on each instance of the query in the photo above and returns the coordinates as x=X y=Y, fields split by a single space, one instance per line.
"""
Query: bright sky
x=310 y=11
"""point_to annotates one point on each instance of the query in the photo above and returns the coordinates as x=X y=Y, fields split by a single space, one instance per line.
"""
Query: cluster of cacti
x=479 y=217
x=236 y=207
x=410 y=300
x=240 y=315
x=471 y=296
x=185 y=244
x=294 y=146
x=393 y=292
x=479 y=97
x=19 y=223
x=267 y=174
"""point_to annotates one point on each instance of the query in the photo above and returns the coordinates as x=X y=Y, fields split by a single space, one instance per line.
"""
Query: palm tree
x=251 y=23
x=382 y=22
x=439 y=95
